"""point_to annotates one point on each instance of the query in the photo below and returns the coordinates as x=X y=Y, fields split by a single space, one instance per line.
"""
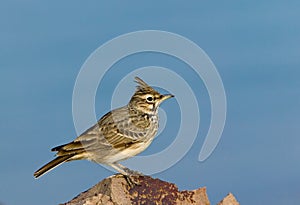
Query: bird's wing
x=80 y=144
x=114 y=130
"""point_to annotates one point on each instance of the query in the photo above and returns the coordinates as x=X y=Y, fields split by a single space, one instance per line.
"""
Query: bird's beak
x=165 y=97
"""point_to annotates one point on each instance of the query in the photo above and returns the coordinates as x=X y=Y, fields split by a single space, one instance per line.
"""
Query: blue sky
x=254 y=45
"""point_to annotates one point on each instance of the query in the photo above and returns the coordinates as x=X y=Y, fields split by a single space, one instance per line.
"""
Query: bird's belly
x=122 y=154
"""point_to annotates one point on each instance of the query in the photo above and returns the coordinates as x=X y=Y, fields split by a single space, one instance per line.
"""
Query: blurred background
x=254 y=45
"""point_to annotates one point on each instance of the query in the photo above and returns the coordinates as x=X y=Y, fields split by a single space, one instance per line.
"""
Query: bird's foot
x=132 y=182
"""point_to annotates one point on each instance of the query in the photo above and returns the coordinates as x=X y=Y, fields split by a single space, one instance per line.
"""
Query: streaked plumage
x=118 y=135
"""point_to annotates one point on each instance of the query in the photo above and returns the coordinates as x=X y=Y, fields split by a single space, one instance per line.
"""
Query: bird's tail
x=51 y=165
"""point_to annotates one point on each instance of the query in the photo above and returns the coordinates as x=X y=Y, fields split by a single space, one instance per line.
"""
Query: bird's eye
x=149 y=99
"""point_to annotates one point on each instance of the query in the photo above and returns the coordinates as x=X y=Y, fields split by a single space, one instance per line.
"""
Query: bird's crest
x=142 y=86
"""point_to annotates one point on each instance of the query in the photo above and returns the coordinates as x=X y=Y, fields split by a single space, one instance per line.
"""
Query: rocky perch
x=114 y=190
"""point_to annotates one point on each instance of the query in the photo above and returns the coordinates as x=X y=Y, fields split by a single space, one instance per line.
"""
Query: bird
x=120 y=134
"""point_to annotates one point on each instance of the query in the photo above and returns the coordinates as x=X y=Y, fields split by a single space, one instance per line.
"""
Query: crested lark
x=118 y=135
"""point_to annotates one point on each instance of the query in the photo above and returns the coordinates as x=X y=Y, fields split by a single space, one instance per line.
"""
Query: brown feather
x=54 y=163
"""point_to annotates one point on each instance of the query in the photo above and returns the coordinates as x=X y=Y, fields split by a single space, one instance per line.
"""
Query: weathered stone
x=229 y=200
x=114 y=190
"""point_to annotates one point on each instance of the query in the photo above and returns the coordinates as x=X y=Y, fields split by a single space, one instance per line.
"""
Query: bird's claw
x=131 y=181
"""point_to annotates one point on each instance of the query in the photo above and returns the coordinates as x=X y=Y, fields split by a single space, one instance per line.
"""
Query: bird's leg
x=127 y=173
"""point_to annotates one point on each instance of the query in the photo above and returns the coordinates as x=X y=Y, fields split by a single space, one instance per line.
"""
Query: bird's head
x=146 y=99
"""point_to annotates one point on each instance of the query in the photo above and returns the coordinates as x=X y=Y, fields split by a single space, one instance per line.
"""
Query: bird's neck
x=142 y=111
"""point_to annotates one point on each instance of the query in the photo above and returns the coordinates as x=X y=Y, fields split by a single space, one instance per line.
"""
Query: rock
x=114 y=190
x=229 y=200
